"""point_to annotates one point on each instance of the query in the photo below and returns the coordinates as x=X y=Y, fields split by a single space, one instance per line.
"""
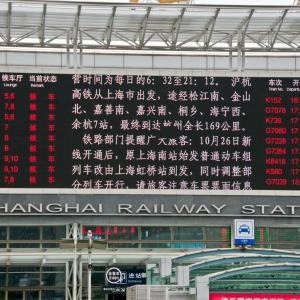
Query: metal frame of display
x=82 y=25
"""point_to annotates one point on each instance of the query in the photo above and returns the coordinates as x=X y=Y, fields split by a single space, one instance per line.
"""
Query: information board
x=149 y=132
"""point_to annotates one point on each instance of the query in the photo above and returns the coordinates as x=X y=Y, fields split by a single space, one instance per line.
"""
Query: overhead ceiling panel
x=99 y=25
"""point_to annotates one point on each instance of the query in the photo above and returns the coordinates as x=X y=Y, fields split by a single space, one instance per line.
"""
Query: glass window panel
x=2 y=280
x=188 y=245
x=24 y=233
x=122 y=233
x=123 y=245
x=216 y=234
x=156 y=233
x=286 y=246
x=53 y=279
x=285 y=234
x=2 y=295
x=99 y=232
x=99 y=269
x=188 y=233
x=23 y=269
x=2 y=233
x=156 y=245
x=261 y=245
x=23 y=279
x=50 y=245
x=22 y=245
x=98 y=278
x=31 y=295
x=54 y=232
x=2 y=237
x=218 y=245
x=53 y=295
x=15 y=295
x=97 y=294
x=56 y=269
x=261 y=237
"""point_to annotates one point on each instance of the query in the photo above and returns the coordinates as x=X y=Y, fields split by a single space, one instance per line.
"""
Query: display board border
x=149 y=72
x=70 y=191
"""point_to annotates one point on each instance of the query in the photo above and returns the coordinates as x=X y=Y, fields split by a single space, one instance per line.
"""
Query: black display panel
x=149 y=132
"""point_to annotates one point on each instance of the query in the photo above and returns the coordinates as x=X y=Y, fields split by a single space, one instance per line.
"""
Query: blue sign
x=244 y=232
x=117 y=279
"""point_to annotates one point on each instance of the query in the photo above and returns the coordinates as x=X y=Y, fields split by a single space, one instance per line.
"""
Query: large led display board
x=149 y=132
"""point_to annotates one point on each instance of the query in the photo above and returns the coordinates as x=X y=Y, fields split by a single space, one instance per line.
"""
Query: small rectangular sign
x=244 y=232
x=113 y=289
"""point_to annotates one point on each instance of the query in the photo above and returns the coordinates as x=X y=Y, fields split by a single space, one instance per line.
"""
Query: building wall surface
x=156 y=221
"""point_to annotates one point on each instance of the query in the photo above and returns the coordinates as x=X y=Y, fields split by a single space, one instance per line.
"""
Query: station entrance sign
x=119 y=278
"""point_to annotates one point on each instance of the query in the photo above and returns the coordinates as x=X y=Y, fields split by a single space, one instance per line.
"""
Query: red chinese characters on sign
x=246 y=296
x=51 y=139
x=10 y=158
x=33 y=169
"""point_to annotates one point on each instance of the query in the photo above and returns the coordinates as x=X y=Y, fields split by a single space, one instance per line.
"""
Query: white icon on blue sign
x=244 y=229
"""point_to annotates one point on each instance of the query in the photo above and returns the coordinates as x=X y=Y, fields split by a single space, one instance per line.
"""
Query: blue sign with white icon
x=244 y=232
x=117 y=279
